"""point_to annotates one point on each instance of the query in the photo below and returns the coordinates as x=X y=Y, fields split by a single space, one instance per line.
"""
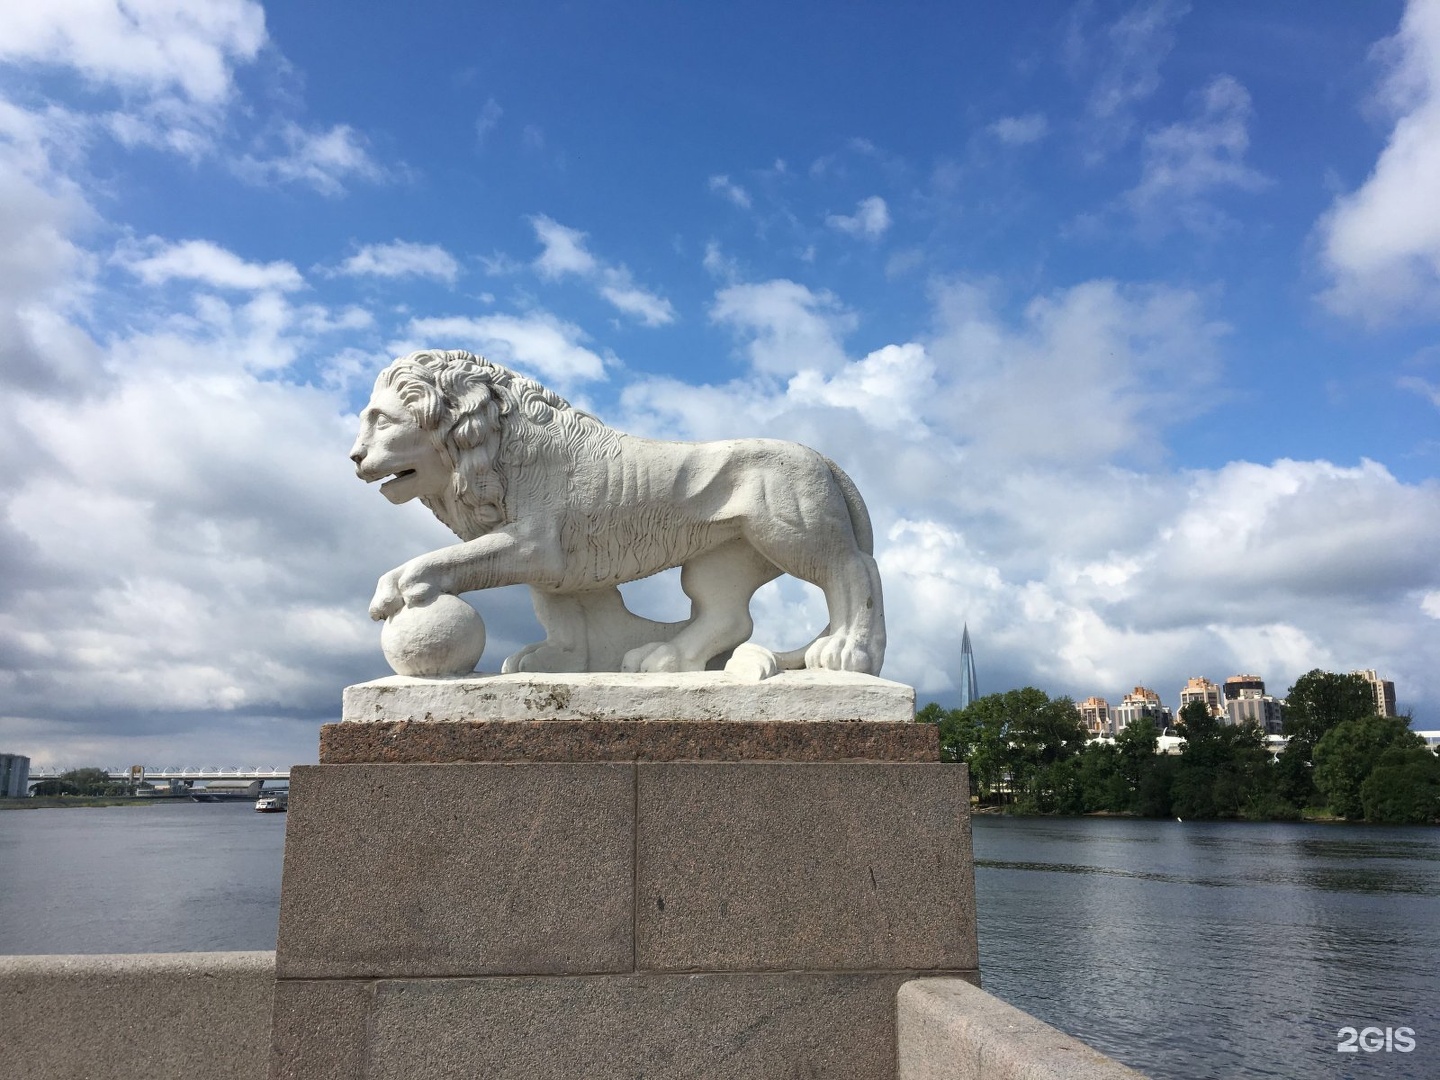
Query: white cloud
x=1381 y=243
x=1186 y=163
x=1020 y=130
x=789 y=328
x=321 y=159
x=45 y=277
x=719 y=265
x=1090 y=373
x=723 y=186
x=564 y=250
x=890 y=386
x=1125 y=58
x=870 y=220
x=565 y=253
x=488 y=120
x=401 y=258
x=151 y=46
x=641 y=304
x=156 y=262
x=538 y=344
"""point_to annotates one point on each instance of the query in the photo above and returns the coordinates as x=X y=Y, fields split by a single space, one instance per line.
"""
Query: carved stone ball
x=443 y=637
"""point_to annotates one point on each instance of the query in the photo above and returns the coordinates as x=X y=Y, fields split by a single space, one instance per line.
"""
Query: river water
x=1188 y=950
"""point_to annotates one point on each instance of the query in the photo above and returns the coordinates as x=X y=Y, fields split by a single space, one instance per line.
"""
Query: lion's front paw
x=387 y=599
x=752 y=663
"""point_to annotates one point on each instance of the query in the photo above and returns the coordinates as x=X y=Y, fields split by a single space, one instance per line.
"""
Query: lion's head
x=446 y=426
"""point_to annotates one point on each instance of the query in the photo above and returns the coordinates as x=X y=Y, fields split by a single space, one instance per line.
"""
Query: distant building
x=1095 y=715
x=14 y=776
x=1142 y=703
x=1383 y=689
x=1203 y=690
x=1247 y=703
x=1432 y=740
x=969 y=690
x=1262 y=710
x=1236 y=685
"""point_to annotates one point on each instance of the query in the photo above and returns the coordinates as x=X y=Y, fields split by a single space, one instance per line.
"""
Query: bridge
x=187 y=773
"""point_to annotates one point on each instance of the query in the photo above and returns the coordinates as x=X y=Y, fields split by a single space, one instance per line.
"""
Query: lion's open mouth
x=401 y=475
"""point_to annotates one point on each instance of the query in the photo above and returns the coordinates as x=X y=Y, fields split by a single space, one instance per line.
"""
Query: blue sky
x=1124 y=316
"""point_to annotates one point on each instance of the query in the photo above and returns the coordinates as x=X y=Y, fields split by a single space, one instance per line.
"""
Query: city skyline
x=1122 y=315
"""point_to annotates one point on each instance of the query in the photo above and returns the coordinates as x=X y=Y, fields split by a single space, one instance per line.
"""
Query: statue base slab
x=791 y=696
x=588 y=898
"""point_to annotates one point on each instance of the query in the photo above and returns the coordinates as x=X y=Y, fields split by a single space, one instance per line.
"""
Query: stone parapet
x=196 y=1014
x=108 y=1017
x=949 y=1029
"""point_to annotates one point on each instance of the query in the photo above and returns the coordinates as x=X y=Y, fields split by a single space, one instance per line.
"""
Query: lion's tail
x=859 y=515
x=864 y=539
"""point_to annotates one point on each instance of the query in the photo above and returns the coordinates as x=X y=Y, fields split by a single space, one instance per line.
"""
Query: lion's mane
x=485 y=420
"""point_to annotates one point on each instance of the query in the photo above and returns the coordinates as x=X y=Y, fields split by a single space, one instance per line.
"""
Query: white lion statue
x=545 y=495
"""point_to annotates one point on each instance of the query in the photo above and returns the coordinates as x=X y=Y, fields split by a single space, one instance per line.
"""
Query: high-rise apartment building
x=14 y=776
x=1140 y=703
x=1383 y=689
x=1095 y=715
x=1237 y=685
x=1263 y=711
x=1203 y=690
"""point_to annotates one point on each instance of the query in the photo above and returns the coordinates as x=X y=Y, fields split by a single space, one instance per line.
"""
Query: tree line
x=83 y=782
x=1029 y=753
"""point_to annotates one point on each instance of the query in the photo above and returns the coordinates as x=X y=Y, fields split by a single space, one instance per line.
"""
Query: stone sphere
x=443 y=637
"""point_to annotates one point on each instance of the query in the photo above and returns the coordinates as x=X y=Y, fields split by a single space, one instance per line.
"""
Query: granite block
x=796 y=866
x=624 y=740
x=720 y=1027
x=319 y=1029
x=459 y=869
x=807 y=696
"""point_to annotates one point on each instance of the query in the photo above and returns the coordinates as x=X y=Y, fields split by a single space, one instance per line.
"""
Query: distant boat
x=273 y=804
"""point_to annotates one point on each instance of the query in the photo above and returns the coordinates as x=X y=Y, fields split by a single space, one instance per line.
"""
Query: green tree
x=1135 y=746
x=1039 y=733
x=975 y=735
x=1320 y=700
x=88 y=781
x=1403 y=788
x=1223 y=768
x=1010 y=740
x=1103 y=784
x=1349 y=751
x=1317 y=702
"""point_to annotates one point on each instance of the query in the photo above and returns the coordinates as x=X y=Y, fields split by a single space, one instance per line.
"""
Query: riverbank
x=42 y=802
x=1307 y=817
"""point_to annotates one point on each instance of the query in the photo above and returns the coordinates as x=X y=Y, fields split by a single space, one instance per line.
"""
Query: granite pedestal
x=540 y=879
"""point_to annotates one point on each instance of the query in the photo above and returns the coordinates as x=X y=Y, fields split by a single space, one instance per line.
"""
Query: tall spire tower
x=968 y=691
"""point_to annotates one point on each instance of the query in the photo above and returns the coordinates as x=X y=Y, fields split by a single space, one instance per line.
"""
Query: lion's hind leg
x=719 y=584
x=824 y=552
x=564 y=649
x=856 y=643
